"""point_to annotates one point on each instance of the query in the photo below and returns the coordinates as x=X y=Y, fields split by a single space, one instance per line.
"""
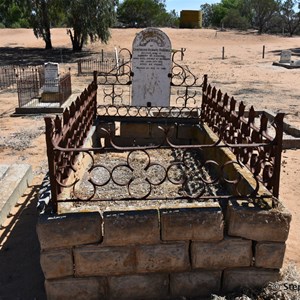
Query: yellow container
x=190 y=19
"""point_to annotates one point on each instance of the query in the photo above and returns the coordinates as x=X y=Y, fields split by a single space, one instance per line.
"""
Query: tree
x=88 y=19
x=14 y=13
x=207 y=14
x=168 y=19
x=217 y=14
x=141 y=13
x=233 y=19
x=41 y=20
x=263 y=11
x=290 y=18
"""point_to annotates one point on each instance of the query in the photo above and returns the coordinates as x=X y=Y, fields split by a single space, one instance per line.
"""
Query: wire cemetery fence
x=63 y=86
x=7 y=77
x=167 y=129
x=29 y=81
x=108 y=66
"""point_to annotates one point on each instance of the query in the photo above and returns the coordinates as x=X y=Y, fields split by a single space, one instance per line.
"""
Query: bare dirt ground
x=243 y=74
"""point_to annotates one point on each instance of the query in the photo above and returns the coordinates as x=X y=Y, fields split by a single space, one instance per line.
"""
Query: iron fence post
x=278 y=150
x=51 y=163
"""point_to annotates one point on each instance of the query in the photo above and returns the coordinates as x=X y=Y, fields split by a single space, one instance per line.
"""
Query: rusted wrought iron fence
x=263 y=153
x=185 y=85
x=188 y=167
x=116 y=85
x=68 y=131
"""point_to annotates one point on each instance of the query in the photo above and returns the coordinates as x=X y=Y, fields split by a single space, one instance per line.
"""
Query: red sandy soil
x=243 y=74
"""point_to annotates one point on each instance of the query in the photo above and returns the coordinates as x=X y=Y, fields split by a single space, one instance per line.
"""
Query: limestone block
x=197 y=222
x=257 y=224
x=76 y=288
x=195 y=284
x=229 y=253
x=131 y=287
x=107 y=261
x=233 y=279
x=68 y=230
x=57 y=263
x=131 y=227
x=269 y=255
x=167 y=257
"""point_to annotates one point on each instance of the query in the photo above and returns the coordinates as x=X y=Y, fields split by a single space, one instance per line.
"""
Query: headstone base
x=50 y=97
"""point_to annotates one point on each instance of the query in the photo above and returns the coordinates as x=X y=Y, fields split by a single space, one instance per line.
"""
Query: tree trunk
x=47 y=39
x=46 y=23
x=77 y=42
x=77 y=46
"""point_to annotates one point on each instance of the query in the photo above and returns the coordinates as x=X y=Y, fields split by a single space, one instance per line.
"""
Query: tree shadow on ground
x=37 y=56
x=21 y=276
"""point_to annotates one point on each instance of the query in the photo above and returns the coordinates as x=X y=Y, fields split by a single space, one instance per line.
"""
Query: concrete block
x=171 y=257
x=234 y=279
x=69 y=230
x=258 y=224
x=131 y=227
x=76 y=288
x=103 y=261
x=195 y=284
x=269 y=255
x=57 y=263
x=3 y=170
x=14 y=180
x=229 y=253
x=198 y=222
x=150 y=286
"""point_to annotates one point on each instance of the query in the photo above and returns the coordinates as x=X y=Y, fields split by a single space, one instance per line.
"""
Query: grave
x=151 y=66
x=286 y=62
x=285 y=56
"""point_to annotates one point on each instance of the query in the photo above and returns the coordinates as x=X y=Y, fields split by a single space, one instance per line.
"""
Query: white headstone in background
x=285 y=56
x=51 y=77
x=151 y=66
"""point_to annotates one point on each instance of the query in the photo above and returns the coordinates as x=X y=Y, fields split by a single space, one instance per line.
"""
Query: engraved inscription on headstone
x=285 y=56
x=51 y=77
x=151 y=66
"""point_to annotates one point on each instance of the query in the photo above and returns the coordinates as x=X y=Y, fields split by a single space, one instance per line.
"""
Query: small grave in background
x=286 y=60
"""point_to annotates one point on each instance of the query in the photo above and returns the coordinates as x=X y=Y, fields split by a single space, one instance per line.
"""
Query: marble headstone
x=285 y=56
x=51 y=77
x=151 y=66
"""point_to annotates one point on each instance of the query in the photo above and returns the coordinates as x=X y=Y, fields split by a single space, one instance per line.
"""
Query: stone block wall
x=189 y=250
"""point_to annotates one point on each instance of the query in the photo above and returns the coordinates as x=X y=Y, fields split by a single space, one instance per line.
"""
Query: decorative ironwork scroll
x=185 y=87
x=116 y=84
